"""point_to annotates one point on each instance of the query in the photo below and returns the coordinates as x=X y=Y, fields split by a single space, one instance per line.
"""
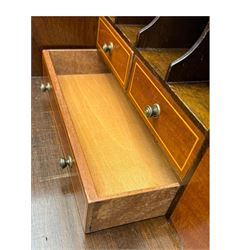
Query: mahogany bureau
x=128 y=143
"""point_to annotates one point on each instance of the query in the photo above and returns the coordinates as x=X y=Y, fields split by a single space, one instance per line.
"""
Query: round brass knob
x=66 y=162
x=108 y=47
x=45 y=87
x=153 y=110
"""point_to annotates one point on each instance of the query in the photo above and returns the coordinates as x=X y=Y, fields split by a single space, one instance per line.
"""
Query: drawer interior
x=120 y=152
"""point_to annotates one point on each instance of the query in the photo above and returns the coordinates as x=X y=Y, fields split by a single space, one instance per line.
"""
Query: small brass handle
x=153 y=110
x=108 y=47
x=45 y=87
x=66 y=162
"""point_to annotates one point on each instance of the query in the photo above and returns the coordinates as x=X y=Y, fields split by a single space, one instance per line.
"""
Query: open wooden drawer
x=119 y=174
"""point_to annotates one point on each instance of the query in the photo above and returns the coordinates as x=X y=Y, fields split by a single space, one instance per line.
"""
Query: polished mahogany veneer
x=191 y=216
x=176 y=133
x=115 y=51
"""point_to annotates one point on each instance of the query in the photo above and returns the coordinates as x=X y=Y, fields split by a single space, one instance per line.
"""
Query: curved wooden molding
x=194 y=64
x=171 y=32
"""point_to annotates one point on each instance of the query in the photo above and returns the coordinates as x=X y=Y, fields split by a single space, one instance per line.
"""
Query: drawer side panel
x=119 y=60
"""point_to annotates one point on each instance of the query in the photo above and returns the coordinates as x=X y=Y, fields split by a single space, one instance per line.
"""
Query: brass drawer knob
x=108 y=47
x=66 y=162
x=45 y=87
x=153 y=110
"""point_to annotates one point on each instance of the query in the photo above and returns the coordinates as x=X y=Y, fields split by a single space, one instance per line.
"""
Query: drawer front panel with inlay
x=114 y=50
x=177 y=135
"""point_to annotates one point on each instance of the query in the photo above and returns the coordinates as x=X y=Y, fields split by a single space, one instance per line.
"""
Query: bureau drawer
x=176 y=133
x=118 y=167
x=117 y=53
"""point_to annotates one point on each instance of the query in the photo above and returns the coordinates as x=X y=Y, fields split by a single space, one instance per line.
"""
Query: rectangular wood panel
x=191 y=215
x=179 y=137
x=57 y=32
x=120 y=58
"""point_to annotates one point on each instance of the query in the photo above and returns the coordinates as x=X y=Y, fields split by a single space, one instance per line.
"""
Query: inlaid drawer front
x=176 y=133
x=114 y=50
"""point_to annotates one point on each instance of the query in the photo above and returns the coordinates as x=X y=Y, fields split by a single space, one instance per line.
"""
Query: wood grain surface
x=160 y=59
x=49 y=72
x=119 y=150
x=194 y=65
x=143 y=20
x=180 y=139
x=55 y=220
x=120 y=59
x=77 y=61
x=60 y=32
x=191 y=215
x=172 y=32
x=130 y=31
x=196 y=97
x=131 y=207
x=91 y=202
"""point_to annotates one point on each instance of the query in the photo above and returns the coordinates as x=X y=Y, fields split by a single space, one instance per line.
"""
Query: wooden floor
x=55 y=219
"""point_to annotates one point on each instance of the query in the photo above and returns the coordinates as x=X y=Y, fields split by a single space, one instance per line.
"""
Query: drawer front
x=175 y=132
x=120 y=57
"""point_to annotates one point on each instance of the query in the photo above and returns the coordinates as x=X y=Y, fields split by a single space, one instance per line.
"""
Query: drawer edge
x=87 y=183
x=129 y=208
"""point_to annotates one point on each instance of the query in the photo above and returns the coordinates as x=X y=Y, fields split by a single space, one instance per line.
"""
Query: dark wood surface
x=133 y=19
x=191 y=215
x=55 y=220
x=181 y=51
x=196 y=98
x=160 y=59
x=171 y=32
x=130 y=31
x=153 y=61
x=193 y=65
x=60 y=32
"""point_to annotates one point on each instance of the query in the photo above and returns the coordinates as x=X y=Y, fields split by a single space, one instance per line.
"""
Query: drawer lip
x=86 y=179
x=129 y=53
x=135 y=192
x=152 y=127
x=87 y=183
